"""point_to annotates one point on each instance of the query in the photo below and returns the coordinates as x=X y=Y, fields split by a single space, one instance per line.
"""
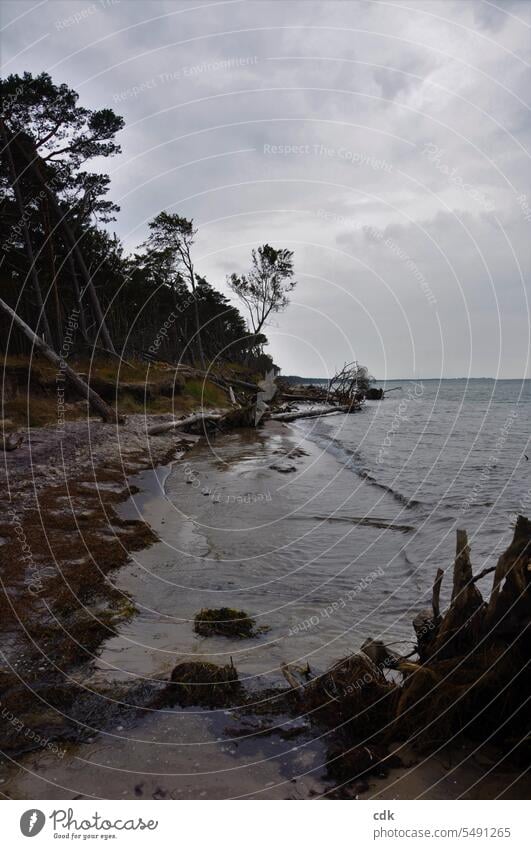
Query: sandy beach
x=267 y=522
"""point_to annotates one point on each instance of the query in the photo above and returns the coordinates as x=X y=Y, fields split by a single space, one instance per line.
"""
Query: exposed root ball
x=354 y=694
x=483 y=695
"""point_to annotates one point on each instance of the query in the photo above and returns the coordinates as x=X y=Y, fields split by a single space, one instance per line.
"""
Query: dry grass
x=31 y=399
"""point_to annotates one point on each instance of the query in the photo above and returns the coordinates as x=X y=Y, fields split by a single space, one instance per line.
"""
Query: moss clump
x=224 y=622
x=198 y=683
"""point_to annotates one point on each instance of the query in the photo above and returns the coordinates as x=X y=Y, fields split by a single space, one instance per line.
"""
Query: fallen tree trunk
x=182 y=424
x=234 y=381
x=243 y=417
x=96 y=403
x=289 y=396
x=310 y=414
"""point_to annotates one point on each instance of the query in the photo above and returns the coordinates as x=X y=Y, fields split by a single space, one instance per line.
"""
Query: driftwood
x=96 y=403
x=474 y=659
x=436 y=595
x=461 y=622
x=469 y=619
x=350 y=382
x=382 y=656
x=478 y=686
x=296 y=686
x=184 y=423
x=509 y=601
x=241 y=417
x=310 y=414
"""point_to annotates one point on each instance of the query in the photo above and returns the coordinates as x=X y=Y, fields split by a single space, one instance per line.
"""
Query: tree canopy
x=60 y=258
x=266 y=287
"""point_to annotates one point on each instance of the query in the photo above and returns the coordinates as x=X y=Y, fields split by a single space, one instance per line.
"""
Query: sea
x=454 y=453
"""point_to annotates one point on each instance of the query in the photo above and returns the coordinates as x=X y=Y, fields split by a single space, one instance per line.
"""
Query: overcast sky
x=386 y=143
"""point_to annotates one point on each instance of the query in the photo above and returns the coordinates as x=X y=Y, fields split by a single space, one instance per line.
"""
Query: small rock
x=284 y=468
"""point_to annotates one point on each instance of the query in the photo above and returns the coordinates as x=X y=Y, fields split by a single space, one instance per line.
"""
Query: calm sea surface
x=452 y=451
x=450 y=454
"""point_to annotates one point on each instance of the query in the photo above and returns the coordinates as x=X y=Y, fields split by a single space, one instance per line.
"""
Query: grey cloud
x=362 y=94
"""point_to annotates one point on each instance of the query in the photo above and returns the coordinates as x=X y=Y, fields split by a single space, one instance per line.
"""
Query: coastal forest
x=64 y=268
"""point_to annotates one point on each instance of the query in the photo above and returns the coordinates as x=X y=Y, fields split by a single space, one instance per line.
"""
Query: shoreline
x=204 y=726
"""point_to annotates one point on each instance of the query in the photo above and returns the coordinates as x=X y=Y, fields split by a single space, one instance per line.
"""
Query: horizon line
x=395 y=379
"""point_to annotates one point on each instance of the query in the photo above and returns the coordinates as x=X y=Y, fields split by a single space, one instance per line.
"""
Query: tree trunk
x=97 y=403
x=181 y=424
x=79 y=301
x=74 y=247
x=29 y=249
x=197 y=321
x=309 y=414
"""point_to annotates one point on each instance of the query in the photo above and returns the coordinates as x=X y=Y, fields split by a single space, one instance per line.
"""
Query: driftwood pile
x=471 y=679
x=348 y=386
x=261 y=402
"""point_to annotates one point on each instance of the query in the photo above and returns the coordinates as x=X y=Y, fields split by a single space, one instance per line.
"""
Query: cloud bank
x=386 y=143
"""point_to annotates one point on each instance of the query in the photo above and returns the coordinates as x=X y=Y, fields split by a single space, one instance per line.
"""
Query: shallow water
x=313 y=555
x=344 y=547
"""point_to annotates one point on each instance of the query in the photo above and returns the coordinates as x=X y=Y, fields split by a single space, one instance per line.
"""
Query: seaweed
x=224 y=622
x=204 y=684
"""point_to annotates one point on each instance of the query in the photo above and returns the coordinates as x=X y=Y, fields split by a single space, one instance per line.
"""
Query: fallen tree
x=242 y=417
x=184 y=423
x=291 y=415
x=350 y=382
